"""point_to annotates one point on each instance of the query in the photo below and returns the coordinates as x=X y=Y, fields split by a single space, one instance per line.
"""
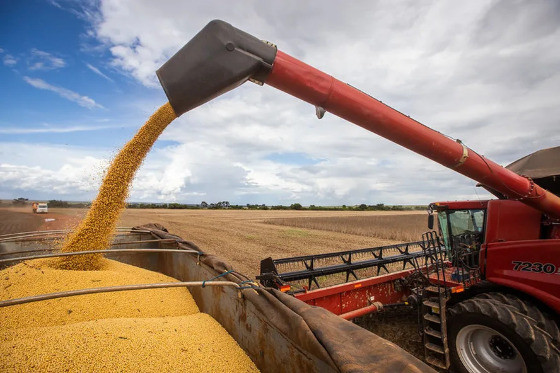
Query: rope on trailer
x=252 y=285
x=220 y=275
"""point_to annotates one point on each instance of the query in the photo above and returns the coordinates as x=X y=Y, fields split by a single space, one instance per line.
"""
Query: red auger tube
x=221 y=57
x=311 y=85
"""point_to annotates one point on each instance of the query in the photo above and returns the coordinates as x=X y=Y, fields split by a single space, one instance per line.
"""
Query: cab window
x=442 y=220
x=466 y=221
x=455 y=225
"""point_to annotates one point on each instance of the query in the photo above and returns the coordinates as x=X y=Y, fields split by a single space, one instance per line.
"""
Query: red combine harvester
x=486 y=286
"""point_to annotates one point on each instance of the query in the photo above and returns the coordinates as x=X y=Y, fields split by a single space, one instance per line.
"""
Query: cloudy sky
x=77 y=79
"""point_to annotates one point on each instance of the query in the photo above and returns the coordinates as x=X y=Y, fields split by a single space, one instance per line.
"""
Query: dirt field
x=22 y=219
x=244 y=237
x=407 y=227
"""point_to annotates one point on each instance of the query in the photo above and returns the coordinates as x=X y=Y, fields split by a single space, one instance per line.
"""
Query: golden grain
x=194 y=343
x=111 y=331
x=34 y=277
x=95 y=230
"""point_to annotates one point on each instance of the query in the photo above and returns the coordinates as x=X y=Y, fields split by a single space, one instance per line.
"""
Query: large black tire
x=528 y=308
x=486 y=334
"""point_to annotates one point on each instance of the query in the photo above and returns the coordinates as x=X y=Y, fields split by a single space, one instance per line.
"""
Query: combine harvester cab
x=277 y=331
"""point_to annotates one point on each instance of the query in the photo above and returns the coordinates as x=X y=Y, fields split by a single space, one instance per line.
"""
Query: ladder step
x=432 y=332
x=436 y=362
x=434 y=289
x=429 y=303
x=432 y=318
x=434 y=347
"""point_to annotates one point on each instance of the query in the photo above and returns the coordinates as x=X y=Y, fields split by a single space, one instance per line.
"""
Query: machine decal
x=548 y=268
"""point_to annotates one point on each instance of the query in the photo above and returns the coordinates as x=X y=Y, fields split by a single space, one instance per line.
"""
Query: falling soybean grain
x=95 y=231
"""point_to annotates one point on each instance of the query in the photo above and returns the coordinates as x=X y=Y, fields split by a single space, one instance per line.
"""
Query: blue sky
x=77 y=78
x=81 y=97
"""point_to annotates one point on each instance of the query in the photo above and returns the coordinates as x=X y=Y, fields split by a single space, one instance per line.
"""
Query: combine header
x=349 y=263
x=487 y=285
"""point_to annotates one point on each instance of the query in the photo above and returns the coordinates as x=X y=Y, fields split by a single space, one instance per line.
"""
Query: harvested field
x=243 y=238
x=22 y=219
x=19 y=220
x=401 y=227
x=398 y=326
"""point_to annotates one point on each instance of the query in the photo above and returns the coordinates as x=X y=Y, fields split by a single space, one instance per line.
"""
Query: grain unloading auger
x=488 y=287
x=221 y=57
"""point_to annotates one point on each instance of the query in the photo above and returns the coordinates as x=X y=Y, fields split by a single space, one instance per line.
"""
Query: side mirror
x=431 y=221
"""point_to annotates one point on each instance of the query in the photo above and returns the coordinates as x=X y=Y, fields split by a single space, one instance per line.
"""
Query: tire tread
x=525 y=319
x=546 y=323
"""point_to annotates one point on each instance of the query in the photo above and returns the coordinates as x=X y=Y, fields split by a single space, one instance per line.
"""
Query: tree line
x=223 y=205
x=294 y=206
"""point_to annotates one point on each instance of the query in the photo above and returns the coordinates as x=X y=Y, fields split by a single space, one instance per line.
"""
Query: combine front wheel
x=486 y=335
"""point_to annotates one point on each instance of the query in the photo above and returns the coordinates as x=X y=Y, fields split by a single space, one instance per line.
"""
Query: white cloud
x=447 y=65
x=41 y=60
x=64 y=181
x=50 y=129
x=486 y=72
x=75 y=173
x=98 y=72
x=9 y=60
x=84 y=101
x=229 y=162
x=55 y=4
x=50 y=171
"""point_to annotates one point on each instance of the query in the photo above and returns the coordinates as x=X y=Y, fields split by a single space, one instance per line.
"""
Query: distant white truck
x=42 y=208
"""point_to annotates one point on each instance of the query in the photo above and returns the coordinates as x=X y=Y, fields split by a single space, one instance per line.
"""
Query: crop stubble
x=245 y=237
x=401 y=227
